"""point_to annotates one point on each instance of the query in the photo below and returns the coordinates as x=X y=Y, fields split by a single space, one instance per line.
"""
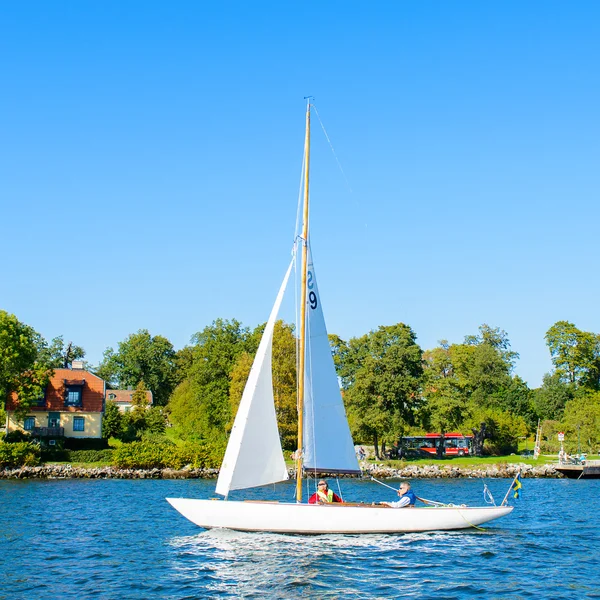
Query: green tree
x=155 y=420
x=59 y=355
x=461 y=380
x=517 y=399
x=112 y=421
x=200 y=406
x=575 y=354
x=283 y=367
x=184 y=360
x=482 y=365
x=285 y=384
x=142 y=357
x=551 y=398
x=446 y=404
x=503 y=429
x=21 y=369
x=381 y=373
x=489 y=374
x=581 y=421
x=139 y=399
x=495 y=338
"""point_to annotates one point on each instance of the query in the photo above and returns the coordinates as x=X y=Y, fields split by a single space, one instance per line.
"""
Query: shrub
x=17 y=436
x=200 y=455
x=54 y=454
x=86 y=444
x=91 y=456
x=19 y=454
x=164 y=454
x=144 y=455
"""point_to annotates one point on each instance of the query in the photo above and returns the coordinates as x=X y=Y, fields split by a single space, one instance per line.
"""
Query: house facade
x=124 y=399
x=72 y=406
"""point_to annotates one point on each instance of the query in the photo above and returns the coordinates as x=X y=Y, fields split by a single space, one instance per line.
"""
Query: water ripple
x=119 y=539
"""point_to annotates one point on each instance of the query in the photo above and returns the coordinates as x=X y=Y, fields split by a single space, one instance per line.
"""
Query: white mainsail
x=254 y=456
x=328 y=444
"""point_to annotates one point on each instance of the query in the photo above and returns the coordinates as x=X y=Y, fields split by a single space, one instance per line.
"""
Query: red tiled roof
x=92 y=397
x=124 y=396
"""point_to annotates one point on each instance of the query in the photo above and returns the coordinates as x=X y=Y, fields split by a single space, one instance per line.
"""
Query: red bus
x=454 y=444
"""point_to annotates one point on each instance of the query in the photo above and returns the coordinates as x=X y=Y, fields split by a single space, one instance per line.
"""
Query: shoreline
x=507 y=471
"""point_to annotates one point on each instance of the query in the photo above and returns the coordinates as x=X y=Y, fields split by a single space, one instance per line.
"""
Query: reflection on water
x=120 y=539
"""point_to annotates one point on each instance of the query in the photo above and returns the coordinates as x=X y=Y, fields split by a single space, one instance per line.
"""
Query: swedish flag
x=516 y=485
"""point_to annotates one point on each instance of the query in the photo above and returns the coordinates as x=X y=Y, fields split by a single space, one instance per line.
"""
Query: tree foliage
x=200 y=406
x=581 y=421
x=139 y=400
x=142 y=357
x=575 y=354
x=552 y=397
x=283 y=367
x=23 y=370
x=503 y=428
x=112 y=421
x=59 y=355
x=468 y=384
x=381 y=376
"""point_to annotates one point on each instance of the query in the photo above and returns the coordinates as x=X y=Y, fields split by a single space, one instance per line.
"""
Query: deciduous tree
x=142 y=357
x=200 y=405
x=112 y=421
x=21 y=369
x=382 y=374
x=575 y=354
x=59 y=355
x=581 y=421
x=551 y=398
x=284 y=382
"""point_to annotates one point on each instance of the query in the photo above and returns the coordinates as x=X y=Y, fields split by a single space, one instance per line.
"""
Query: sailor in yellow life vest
x=324 y=495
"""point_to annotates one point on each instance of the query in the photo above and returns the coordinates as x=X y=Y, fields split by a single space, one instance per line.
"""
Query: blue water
x=120 y=539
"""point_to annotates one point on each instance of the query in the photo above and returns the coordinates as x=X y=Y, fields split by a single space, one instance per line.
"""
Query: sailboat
x=254 y=456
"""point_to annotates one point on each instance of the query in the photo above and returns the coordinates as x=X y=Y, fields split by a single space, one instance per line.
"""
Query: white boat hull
x=280 y=517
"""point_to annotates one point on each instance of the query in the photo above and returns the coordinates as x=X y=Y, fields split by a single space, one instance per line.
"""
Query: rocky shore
x=447 y=471
x=379 y=471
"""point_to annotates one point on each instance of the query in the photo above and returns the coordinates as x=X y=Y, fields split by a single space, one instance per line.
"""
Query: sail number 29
x=312 y=296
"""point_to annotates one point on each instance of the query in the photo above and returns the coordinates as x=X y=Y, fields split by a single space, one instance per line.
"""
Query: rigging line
x=337 y=479
x=424 y=500
x=340 y=165
x=332 y=149
x=469 y=523
x=384 y=484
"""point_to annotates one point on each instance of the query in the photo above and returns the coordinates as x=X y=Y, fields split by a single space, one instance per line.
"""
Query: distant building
x=123 y=398
x=72 y=406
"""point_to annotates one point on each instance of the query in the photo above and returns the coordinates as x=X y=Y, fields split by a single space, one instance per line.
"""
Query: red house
x=72 y=406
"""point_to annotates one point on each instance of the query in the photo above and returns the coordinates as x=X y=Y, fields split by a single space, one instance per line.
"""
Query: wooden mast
x=302 y=349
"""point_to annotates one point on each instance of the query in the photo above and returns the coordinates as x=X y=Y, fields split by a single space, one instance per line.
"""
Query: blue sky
x=150 y=159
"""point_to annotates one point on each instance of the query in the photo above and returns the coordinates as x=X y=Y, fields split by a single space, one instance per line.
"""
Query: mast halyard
x=302 y=349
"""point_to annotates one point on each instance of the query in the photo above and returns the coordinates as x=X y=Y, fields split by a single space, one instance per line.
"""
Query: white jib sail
x=254 y=456
x=328 y=443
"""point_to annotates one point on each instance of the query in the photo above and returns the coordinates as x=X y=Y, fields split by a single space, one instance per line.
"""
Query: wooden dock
x=588 y=470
